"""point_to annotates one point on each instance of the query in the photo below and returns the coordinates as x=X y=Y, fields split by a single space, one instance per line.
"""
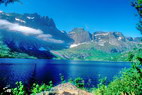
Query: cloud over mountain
x=14 y=27
x=19 y=28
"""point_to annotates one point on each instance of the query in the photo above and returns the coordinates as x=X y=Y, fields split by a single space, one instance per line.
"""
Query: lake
x=43 y=71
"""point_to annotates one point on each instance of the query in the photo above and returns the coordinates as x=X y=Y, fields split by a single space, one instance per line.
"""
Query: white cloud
x=13 y=27
x=47 y=37
x=1 y=11
x=19 y=28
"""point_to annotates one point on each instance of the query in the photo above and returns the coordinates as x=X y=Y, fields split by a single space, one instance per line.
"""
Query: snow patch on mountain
x=102 y=34
x=30 y=17
x=76 y=45
x=119 y=38
x=17 y=19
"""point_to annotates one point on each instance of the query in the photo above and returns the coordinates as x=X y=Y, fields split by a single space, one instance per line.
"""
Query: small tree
x=137 y=4
x=8 y=1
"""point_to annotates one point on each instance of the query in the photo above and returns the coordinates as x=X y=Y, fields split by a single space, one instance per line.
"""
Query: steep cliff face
x=113 y=38
x=43 y=23
x=100 y=46
x=113 y=42
x=79 y=35
x=32 y=33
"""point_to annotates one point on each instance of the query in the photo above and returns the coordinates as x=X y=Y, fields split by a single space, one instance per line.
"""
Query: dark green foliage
x=36 y=88
x=8 y=1
x=78 y=82
x=128 y=56
x=137 y=4
x=19 y=90
x=102 y=81
x=129 y=83
x=6 y=52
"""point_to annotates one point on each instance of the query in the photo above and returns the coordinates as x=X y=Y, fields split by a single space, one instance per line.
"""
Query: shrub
x=36 y=88
x=19 y=90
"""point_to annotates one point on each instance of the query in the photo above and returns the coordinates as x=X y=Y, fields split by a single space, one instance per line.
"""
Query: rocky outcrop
x=65 y=89
x=79 y=35
x=112 y=38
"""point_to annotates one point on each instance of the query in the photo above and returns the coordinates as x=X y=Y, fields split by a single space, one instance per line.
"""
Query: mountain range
x=105 y=41
x=38 y=36
x=32 y=34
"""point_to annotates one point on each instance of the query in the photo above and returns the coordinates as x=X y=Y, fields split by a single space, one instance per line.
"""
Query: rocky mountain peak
x=113 y=39
x=80 y=35
x=78 y=30
x=106 y=41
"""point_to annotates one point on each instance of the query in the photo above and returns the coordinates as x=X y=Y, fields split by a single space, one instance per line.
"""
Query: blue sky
x=93 y=15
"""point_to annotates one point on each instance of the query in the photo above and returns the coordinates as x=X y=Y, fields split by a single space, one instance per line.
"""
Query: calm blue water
x=29 y=70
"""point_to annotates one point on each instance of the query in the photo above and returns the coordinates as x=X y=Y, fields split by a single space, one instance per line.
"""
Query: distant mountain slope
x=85 y=52
x=38 y=36
x=113 y=42
x=89 y=52
x=32 y=34
x=99 y=46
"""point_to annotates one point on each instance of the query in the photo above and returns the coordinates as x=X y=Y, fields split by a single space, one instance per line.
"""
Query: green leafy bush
x=78 y=82
x=36 y=88
x=19 y=90
x=129 y=83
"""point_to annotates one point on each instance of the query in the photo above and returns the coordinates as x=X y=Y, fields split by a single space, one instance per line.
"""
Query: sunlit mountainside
x=38 y=36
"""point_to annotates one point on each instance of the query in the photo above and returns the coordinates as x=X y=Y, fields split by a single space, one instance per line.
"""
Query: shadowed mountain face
x=32 y=32
x=138 y=39
x=43 y=24
x=37 y=35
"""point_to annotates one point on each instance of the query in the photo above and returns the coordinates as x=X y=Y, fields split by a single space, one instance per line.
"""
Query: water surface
x=43 y=71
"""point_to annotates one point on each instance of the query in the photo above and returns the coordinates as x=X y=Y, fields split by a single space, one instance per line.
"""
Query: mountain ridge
x=30 y=32
x=38 y=35
x=116 y=41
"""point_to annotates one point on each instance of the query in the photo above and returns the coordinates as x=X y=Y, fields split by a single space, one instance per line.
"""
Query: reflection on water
x=29 y=71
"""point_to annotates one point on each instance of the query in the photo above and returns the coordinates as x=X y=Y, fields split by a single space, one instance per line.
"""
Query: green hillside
x=89 y=52
x=6 y=52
